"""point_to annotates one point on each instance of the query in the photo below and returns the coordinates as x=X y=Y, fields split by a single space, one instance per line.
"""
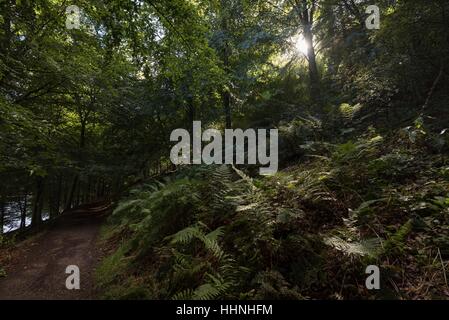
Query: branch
x=432 y=90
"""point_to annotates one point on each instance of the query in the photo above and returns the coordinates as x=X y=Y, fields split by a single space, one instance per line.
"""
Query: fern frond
x=186 y=235
x=368 y=247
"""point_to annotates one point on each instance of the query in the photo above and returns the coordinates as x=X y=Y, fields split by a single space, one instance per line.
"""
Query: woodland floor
x=36 y=267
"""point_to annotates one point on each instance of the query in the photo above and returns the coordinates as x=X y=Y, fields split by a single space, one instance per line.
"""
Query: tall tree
x=305 y=11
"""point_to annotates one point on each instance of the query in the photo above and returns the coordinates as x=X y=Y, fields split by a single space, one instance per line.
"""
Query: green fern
x=209 y=240
x=212 y=289
x=368 y=247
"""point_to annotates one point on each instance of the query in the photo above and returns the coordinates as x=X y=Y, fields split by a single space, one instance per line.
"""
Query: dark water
x=13 y=212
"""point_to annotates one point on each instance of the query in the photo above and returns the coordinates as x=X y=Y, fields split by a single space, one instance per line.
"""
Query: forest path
x=38 y=265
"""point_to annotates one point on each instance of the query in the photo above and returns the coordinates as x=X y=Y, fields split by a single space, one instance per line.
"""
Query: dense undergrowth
x=212 y=232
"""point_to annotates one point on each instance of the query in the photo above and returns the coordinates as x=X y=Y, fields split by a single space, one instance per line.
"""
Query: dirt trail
x=37 y=269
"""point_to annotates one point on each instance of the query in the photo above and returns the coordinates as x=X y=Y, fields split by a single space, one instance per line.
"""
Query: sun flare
x=301 y=45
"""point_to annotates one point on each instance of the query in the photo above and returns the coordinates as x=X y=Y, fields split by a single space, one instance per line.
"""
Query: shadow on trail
x=37 y=268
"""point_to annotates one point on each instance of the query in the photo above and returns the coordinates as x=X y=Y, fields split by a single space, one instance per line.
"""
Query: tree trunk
x=5 y=44
x=313 y=68
x=58 y=194
x=83 y=134
x=226 y=94
x=52 y=198
x=306 y=11
x=87 y=195
x=78 y=193
x=2 y=214
x=55 y=196
x=23 y=212
x=191 y=114
x=69 y=202
x=36 y=217
x=64 y=193
x=227 y=108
